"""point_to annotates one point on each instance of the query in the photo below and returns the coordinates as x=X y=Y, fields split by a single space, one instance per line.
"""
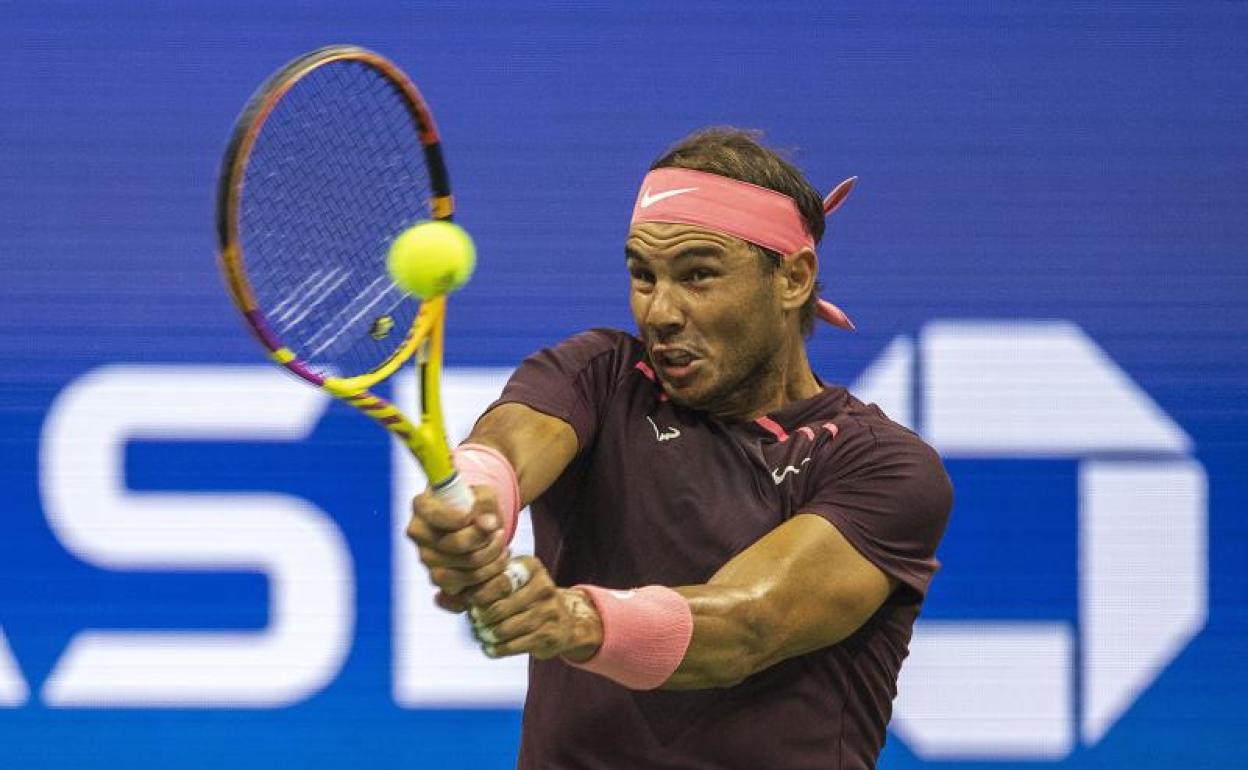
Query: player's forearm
x=799 y=588
x=538 y=446
x=731 y=638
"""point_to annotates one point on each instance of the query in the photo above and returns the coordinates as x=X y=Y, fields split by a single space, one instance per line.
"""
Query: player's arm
x=533 y=449
x=513 y=448
x=538 y=446
x=799 y=588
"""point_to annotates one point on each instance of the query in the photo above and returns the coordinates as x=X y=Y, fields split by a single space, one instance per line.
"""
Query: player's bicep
x=538 y=445
x=811 y=587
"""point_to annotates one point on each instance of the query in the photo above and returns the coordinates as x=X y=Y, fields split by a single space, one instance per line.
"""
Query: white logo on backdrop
x=13 y=688
x=297 y=546
x=969 y=690
x=1036 y=389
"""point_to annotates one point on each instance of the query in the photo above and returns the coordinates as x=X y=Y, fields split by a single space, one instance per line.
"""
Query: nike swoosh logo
x=648 y=200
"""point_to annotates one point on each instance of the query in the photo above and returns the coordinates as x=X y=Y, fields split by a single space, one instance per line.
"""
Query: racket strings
x=334 y=175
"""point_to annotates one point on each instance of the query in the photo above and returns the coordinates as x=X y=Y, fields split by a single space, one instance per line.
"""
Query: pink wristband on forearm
x=645 y=633
x=480 y=465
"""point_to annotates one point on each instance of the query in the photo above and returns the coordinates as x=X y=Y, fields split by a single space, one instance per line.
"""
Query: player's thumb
x=485 y=508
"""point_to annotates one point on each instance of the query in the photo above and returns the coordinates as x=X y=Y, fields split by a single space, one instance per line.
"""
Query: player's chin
x=690 y=386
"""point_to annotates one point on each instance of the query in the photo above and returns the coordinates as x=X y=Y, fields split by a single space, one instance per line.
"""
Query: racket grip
x=455 y=492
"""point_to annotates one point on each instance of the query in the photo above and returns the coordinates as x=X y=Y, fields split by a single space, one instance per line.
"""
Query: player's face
x=709 y=313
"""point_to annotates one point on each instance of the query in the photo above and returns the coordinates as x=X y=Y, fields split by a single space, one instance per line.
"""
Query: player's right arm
x=547 y=412
x=461 y=549
x=538 y=446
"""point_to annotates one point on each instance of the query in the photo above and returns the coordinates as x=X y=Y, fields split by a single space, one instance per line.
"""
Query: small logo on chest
x=780 y=474
x=666 y=434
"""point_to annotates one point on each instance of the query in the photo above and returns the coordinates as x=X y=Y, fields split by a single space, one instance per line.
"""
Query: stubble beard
x=742 y=388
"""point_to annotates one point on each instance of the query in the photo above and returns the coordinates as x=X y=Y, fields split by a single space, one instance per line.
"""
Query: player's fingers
x=437 y=557
x=419 y=531
x=523 y=583
x=460 y=541
x=454 y=581
x=542 y=642
x=526 y=621
x=516 y=575
x=450 y=603
x=464 y=540
x=438 y=514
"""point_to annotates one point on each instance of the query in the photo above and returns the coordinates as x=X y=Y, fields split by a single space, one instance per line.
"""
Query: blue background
x=1069 y=160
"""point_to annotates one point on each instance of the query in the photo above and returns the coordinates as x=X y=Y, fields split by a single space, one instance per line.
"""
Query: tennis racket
x=333 y=157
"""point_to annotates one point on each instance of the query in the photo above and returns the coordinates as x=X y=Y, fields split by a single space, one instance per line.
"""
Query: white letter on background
x=13 y=689
x=293 y=543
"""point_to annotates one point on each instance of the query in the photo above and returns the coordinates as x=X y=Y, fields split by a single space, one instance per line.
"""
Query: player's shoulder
x=866 y=452
x=600 y=340
x=602 y=355
x=868 y=439
x=611 y=349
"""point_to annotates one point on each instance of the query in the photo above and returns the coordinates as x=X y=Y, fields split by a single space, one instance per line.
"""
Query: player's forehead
x=665 y=241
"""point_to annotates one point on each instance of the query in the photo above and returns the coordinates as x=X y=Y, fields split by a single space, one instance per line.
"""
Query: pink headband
x=754 y=214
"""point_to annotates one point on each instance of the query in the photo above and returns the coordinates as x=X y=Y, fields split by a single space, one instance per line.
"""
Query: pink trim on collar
x=772 y=427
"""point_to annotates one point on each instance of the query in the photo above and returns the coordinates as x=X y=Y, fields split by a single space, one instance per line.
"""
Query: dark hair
x=737 y=154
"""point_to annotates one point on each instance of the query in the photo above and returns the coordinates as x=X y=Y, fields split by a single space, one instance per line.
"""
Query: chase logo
x=1007 y=690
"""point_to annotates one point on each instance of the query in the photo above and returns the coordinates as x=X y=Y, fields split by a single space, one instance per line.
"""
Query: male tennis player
x=730 y=552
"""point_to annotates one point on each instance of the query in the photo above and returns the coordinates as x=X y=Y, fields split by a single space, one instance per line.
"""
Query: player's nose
x=663 y=314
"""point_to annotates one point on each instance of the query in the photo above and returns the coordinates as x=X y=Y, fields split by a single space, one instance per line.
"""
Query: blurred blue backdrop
x=1067 y=174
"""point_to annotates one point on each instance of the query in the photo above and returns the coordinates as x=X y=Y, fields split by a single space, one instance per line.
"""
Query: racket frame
x=424 y=340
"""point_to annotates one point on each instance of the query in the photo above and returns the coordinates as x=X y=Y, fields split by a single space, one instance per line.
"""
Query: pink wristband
x=480 y=465
x=645 y=633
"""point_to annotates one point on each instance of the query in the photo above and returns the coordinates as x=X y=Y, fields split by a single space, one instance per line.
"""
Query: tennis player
x=731 y=553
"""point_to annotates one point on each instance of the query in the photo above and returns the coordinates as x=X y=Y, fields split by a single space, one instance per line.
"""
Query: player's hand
x=535 y=618
x=459 y=548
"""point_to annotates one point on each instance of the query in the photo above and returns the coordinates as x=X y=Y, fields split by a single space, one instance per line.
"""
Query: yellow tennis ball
x=430 y=259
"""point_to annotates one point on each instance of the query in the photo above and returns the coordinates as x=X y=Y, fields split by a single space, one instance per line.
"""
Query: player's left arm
x=801 y=587
x=807 y=584
x=818 y=577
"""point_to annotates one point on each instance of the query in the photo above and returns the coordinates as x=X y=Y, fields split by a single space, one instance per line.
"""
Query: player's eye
x=699 y=275
x=640 y=275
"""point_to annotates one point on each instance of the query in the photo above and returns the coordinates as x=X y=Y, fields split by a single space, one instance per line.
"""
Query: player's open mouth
x=674 y=363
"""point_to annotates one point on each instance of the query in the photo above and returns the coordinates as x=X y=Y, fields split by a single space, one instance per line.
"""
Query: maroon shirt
x=661 y=494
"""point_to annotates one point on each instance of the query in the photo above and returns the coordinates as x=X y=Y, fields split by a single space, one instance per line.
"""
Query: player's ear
x=798 y=275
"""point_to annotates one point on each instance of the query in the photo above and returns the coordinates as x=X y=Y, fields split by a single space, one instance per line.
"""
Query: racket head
x=333 y=156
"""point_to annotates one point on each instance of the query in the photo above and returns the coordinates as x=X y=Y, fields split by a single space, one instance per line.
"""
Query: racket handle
x=455 y=493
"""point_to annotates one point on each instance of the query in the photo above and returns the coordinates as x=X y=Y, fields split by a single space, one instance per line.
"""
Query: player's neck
x=786 y=378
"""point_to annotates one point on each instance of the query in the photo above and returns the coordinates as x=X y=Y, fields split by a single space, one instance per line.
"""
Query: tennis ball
x=432 y=258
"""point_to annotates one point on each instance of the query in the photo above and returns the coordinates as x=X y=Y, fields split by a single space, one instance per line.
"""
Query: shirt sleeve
x=572 y=381
x=890 y=497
